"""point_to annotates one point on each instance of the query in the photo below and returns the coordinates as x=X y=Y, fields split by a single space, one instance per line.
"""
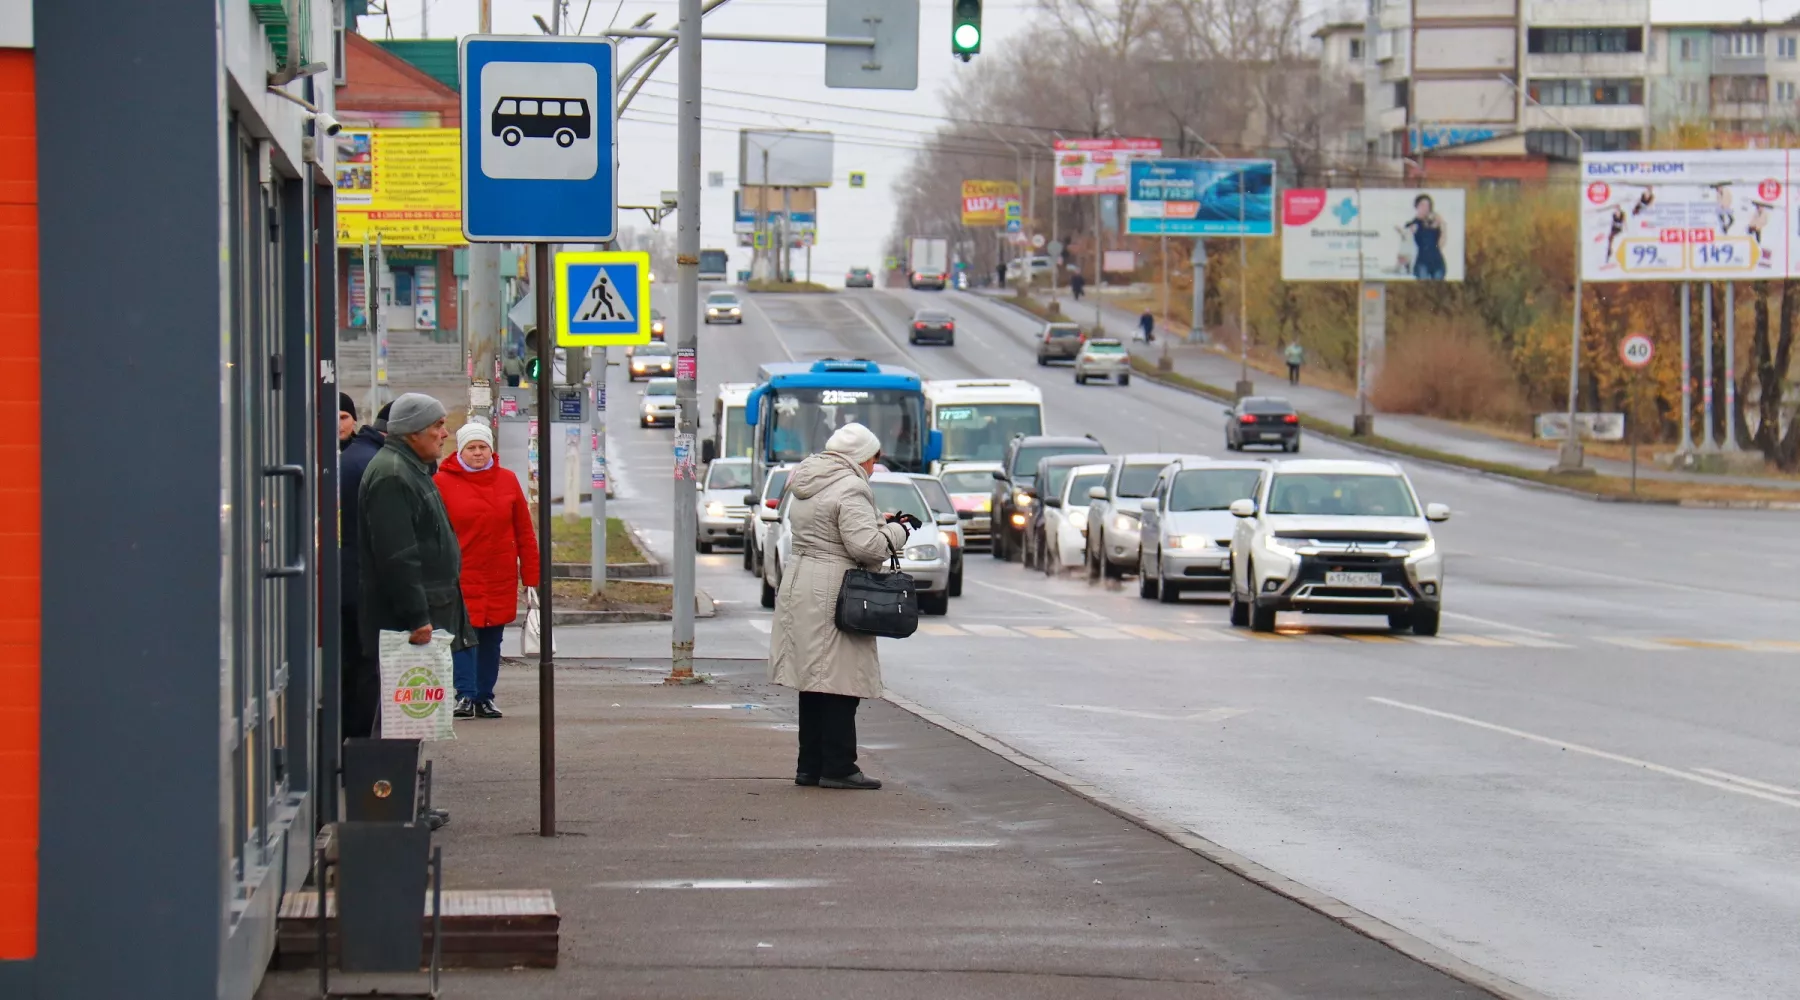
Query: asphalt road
x=1589 y=783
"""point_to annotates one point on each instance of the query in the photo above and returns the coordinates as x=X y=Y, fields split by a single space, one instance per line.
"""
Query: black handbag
x=873 y=602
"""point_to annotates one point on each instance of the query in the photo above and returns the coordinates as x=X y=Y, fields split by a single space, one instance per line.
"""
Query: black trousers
x=827 y=734
x=359 y=681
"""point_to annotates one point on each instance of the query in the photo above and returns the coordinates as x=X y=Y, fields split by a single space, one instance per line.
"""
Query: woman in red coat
x=493 y=526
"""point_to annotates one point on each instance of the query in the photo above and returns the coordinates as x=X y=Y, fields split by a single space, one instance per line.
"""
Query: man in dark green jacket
x=406 y=550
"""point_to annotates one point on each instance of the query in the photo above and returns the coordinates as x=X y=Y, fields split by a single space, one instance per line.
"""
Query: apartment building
x=1725 y=84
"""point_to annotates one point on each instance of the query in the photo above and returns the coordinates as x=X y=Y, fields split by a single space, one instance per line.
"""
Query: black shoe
x=854 y=780
x=802 y=778
x=465 y=709
x=486 y=710
x=437 y=819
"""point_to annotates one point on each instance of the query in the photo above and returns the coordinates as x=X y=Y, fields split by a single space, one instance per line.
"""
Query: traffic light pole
x=687 y=339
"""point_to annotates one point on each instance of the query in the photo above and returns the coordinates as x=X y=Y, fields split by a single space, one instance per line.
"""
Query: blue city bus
x=795 y=407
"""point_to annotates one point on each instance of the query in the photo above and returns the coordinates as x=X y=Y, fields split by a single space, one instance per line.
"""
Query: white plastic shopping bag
x=416 y=684
x=531 y=631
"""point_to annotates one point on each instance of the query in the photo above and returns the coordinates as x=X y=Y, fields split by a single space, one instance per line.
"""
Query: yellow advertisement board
x=984 y=202
x=404 y=184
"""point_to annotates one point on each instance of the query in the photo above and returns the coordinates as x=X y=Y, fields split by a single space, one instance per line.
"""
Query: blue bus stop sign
x=539 y=156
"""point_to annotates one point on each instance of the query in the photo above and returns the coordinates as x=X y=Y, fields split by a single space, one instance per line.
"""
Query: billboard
x=1686 y=215
x=1201 y=198
x=1377 y=234
x=794 y=158
x=404 y=184
x=1099 y=166
x=987 y=203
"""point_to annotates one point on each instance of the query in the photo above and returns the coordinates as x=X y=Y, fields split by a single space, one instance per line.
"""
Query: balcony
x=1586 y=13
x=1586 y=64
x=1587 y=117
x=1740 y=110
x=1391 y=120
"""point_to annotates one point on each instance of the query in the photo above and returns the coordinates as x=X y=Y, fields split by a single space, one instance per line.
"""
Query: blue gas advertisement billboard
x=1201 y=198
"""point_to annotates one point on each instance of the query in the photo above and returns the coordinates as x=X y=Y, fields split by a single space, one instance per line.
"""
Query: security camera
x=326 y=124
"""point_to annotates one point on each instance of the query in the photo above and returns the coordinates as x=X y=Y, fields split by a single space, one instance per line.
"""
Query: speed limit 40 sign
x=1636 y=350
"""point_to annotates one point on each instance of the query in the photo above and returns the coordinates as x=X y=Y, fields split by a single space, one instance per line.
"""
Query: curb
x=614 y=571
x=1369 y=926
x=704 y=607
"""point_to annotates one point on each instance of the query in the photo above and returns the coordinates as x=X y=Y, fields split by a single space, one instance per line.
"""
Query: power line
x=950 y=119
x=876 y=142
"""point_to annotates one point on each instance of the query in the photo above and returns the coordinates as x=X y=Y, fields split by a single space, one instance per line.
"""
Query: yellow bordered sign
x=602 y=298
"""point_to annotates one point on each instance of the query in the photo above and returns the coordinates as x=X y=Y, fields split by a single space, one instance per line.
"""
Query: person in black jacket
x=359 y=678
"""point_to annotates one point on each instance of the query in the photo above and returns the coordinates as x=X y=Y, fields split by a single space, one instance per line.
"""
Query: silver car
x=1114 y=508
x=658 y=405
x=1104 y=358
x=721 y=508
x=1187 y=526
x=927 y=555
x=760 y=516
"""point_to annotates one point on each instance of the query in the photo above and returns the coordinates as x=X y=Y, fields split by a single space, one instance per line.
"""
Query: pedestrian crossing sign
x=602 y=298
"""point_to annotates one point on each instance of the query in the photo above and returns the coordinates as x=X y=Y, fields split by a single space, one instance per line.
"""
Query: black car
x=859 y=277
x=1047 y=483
x=933 y=326
x=1059 y=341
x=1013 y=481
x=1262 y=420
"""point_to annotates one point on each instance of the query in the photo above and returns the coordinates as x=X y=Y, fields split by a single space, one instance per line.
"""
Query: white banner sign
x=1400 y=234
x=1687 y=215
x=1592 y=426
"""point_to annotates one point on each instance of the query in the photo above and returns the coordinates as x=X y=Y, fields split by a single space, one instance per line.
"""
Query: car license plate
x=1268 y=436
x=1353 y=579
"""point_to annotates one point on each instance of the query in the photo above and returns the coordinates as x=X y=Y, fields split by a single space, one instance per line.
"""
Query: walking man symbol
x=603 y=303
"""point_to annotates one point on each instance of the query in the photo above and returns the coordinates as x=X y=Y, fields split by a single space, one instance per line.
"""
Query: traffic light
x=532 y=367
x=965 y=29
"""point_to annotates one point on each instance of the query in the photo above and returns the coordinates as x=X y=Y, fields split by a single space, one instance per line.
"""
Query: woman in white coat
x=835 y=526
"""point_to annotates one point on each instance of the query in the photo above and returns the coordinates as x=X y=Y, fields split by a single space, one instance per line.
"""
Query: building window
x=1562 y=93
x=1356 y=95
x=1784 y=91
x=1740 y=89
x=1559 y=145
x=1558 y=41
x=1689 y=50
x=1692 y=93
x=1785 y=47
x=1743 y=44
x=1401 y=95
x=1356 y=49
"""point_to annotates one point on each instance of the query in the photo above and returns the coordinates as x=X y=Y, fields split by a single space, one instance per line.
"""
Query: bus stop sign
x=539 y=156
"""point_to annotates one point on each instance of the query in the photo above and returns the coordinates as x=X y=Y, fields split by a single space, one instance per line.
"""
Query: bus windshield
x=979 y=432
x=801 y=419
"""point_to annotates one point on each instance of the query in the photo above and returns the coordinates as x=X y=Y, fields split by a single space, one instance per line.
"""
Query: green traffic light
x=965 y=28
x=967 y=38
x=532 y=366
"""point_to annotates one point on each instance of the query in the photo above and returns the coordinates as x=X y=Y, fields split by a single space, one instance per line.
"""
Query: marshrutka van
x=977 y=417
x=730 y=427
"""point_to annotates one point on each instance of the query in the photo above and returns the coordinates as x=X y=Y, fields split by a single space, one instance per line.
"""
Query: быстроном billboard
x=1201 y=198
x=1683 y=215
x=1403 y=234
x=1099 y=166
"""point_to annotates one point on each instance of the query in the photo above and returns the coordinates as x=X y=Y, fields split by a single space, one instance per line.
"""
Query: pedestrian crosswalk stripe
x=992 y=631
x=1429 y=640
x=1096 y=632
x=1146 y=632
x=1483 y=640
x=1701 y=644
x=1643 y=644
x=1370 y=637
x=1039 y=632
x=1536 y=642
x=939 y=628
x=763 y=625
x=1211 y=635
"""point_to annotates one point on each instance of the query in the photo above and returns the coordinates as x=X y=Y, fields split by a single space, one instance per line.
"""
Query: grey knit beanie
x=414 y=412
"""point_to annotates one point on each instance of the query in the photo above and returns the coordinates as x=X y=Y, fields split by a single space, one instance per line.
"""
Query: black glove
x=912 y=523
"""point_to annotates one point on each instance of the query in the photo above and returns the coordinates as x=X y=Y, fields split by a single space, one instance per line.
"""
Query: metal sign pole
x=687 y=322
x=1687 y=369
x=540 y=286
x=600 y=478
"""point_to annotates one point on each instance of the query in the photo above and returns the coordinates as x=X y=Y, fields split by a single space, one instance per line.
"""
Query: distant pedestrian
x=836 y=526
x=513 y=368
x=1076 y=284
x=487 y=508
x=1147 y=323
x=1000 y=275
x=359 y=675
x=1296 y=356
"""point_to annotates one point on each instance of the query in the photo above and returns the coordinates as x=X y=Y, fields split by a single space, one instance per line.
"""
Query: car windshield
x=968 y=482
x=1061 y=332
x=721 y=299
x=1138 y=480
x=1212 y=489
x=728 y=476
x=661 y=389
x=902 y=497
x=927 y=316
x=1268 y=406
x=653 y=347
x=858 y=271
x=1078 y=490
x=777 y=483
x=1350 y=494
x=1026 y=461
x=979 y=431
x=1098 y=348
x=935 y=495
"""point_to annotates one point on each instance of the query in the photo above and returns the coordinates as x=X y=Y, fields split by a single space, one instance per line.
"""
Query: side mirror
x=1437 y=512
x=1227 y=411
x=1243 y=508
x=947 y=520
x=1053 y=502
x=1149 y=505
x=1000 y=475
x=709 y=450
x=1096 y=493
x=934 y=446
x=749 y=499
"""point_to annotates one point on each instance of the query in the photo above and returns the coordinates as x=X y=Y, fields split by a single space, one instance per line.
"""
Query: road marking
x=1494 y=624
x=1776 y=645
x=1703 y=644
x=1616 y=758
x=763 y=625
x=940 y=628
x=1484 y=640
x=992 y=631
x=1207 y=715
x=1369 y=637
x=1096 y=632
x=774 y=330
x=1146 y=632
x=719 y=883
x=1212 y=635
x=1643 y=644
x=1536 y=643
x=1043 y=632
x=1752 y=782
x=1266 y=636
x=1429 y=640
x=1083 y=612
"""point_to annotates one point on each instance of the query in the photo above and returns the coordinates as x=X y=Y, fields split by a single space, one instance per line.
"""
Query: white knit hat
x=474 y=430
x=855 y=442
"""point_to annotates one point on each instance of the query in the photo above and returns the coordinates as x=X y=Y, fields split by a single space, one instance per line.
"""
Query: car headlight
x=715 y=509
x=734 y=310
x=1124 y=522
x=1423 y=550
x=1078 y=518
x=922 y=553
x=1186 y=542
x=1021 y=499
x=1273 y=546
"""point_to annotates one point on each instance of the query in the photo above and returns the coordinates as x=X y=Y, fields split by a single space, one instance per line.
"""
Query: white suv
x=1336 y=537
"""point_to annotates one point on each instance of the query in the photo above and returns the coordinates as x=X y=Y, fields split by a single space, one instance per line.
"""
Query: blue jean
x=478 y=667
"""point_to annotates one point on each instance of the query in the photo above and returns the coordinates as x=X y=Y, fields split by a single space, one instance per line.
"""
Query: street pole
x=483 y=318
x=1055 y=237
x=540 y=287
x=379 y=321
x=1731 y=441
x=762 y=221
x=1687 y=369
x=687 y=259
x=1362 y=332
x=1244 y=387
x=1706 y=369
x=1099 y=252
x=370 y=293
x=786 y=256
x=1197 y=329
x=599 y=478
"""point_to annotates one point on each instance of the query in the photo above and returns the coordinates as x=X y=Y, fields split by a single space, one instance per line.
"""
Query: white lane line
x=763 y=625
x=1616 y=758
x=1752 y=782
x=773 y=329
x=1208 y=715
x=1494 y=624
x=1072 y=609
x=1643 y=644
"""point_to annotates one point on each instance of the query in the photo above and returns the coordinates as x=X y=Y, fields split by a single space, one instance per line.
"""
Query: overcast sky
x=782 y=86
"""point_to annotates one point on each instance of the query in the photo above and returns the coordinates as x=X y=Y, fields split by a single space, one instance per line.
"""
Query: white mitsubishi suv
x=1336 y=537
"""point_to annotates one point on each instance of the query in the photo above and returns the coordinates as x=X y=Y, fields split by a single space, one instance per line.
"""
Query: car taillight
x=1292 y=418
x=1248 y=418
x=918 y=326
x=771 y=503
x=949 y=326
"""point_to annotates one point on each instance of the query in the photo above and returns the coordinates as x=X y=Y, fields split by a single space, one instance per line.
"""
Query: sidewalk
x=1217 y=369
x=690 y=866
